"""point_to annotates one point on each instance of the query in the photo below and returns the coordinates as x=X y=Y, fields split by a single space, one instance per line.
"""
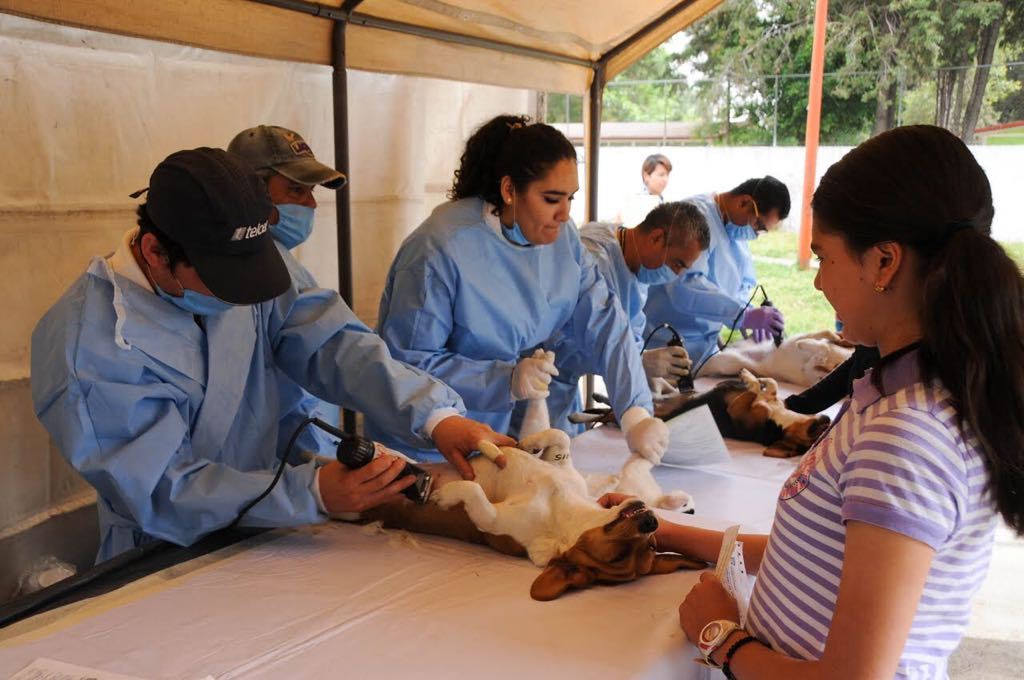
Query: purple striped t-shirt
x=899 y=460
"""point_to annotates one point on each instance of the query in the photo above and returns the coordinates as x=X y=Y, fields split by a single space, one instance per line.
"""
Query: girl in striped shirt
x=883 y=534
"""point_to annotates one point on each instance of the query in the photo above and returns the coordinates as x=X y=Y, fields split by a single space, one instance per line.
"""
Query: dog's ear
x=558 y=577
x=783 y=448
x=666 y=563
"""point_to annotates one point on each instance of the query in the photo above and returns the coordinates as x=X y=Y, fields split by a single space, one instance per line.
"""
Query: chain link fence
x=770 y=110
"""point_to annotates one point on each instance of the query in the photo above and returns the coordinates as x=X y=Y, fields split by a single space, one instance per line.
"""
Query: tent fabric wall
x=86 y=117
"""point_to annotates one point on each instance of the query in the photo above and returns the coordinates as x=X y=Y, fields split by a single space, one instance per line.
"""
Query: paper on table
x=694 y=439
x=50 y=669
x=732 y=571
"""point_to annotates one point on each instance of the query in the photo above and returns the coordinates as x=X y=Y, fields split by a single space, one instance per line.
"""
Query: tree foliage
x=745 y=70
x=877 y=51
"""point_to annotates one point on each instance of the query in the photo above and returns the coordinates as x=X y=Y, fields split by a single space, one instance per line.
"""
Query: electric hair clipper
x=685 y=383
x=354 y=452
x=776 y=337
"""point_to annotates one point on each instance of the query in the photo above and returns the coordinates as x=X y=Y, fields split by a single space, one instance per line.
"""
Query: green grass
x=792 y=289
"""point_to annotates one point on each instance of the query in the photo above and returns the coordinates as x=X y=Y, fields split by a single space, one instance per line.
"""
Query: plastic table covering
x=340 y=600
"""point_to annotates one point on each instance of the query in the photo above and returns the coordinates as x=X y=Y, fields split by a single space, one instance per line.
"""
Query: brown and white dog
x=749 y=408
x=746 y=408
x=539 y=506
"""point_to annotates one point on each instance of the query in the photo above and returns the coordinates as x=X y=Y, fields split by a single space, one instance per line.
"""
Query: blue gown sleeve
x=417 y=326
x=321 y=344
x=126 y=431
x=599 y=324
x=695 y=294
x=749 y=280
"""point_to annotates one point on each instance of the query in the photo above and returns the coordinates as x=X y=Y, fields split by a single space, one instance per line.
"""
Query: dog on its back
x=539 y=506
x=749 y=408
x=801 y=359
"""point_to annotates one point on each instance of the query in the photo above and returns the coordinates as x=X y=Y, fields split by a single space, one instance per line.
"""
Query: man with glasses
x=715 y=291
x=668 y=240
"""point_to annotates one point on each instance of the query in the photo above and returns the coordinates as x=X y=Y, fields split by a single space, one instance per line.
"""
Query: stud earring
x=879 y=289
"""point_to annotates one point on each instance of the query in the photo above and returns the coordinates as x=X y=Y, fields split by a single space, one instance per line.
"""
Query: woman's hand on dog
x=457 y=437
x=611 y=499
x=707 y=601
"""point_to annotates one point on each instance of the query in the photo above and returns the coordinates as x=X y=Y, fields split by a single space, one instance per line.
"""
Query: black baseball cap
x=217 y=209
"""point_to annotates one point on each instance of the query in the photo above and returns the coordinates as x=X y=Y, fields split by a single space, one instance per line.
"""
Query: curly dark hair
x=512 y=146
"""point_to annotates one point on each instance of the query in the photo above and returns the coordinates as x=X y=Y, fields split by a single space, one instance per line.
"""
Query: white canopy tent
x=87 y=112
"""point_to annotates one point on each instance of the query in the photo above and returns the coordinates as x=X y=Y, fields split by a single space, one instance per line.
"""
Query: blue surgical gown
x=601 y=241
x=465 y=304
x=178 y=427
x=296 y=403
x=709 y=294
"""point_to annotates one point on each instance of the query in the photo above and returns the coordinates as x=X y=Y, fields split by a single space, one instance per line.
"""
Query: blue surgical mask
x=193 y=302
x=655 y=277
x=738 y=233
x=294 y=224
x=515 y=235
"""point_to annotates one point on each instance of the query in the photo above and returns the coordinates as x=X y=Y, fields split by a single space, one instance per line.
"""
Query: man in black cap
x=157 y=372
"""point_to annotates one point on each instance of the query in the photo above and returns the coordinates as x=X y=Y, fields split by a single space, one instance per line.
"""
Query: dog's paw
x=676 y=500
x=447 y=496
x=553 y=445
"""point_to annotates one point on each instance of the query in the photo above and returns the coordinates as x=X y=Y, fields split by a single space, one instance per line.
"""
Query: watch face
x=711 y=631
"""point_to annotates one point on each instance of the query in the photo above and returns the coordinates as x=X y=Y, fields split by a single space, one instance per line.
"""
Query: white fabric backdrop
x=86 y=116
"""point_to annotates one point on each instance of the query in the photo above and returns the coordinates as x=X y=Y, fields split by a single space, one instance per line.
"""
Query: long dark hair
x=921 y=187
x=507 y=145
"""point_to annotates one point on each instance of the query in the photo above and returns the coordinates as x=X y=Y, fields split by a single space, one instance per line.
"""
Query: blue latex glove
x=763 y=322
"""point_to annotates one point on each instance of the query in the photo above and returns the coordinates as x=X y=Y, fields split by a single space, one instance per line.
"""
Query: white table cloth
x=340 y=600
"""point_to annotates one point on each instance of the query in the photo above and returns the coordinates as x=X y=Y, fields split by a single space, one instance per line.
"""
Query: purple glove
x=763 y=322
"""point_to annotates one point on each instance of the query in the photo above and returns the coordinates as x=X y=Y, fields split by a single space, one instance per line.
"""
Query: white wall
x=85 y=118
x=697 y=170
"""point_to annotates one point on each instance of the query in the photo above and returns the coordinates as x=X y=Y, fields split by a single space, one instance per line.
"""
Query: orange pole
x=813 y=129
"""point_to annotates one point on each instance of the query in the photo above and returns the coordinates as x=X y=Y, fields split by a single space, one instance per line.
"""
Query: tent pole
x=339 y=89
x=813 y=130
x=592 y=135
x=593 y=138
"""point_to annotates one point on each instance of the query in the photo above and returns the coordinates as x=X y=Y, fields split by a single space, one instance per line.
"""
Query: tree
x=754 y=57
x=747 y=69
x=972 y=31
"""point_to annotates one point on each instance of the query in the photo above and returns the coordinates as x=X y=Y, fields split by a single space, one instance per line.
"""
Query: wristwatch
x=712 y=636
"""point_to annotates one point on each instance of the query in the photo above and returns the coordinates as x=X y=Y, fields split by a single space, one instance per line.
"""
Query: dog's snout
x=648 y=523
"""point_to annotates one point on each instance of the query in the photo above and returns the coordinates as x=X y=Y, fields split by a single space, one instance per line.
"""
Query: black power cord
x=353 y=452
x=732 y=330
x=685 y=382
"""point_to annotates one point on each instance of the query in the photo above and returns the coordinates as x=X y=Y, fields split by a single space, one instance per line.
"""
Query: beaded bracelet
x=732 y=650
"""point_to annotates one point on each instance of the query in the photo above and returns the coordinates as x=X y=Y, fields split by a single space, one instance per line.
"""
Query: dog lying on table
x=538 y=504
x=746 y=408
x=801 y=359
x=539 y=507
